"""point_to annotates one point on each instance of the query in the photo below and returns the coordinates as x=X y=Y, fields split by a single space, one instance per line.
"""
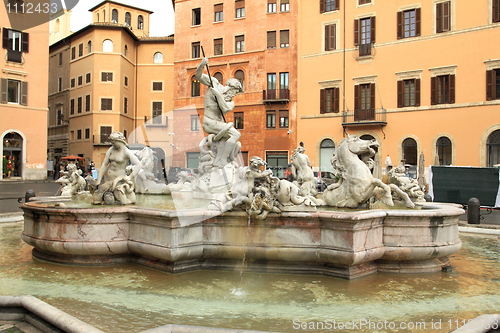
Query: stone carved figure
x=72 y=181
x=302 y=172
x=405 y=189
x=114 y=185
x=218 y=102
x=356 y=184
x=145 y=181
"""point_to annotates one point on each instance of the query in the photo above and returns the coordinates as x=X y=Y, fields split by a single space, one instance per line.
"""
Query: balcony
x=365 y=50
x=276 y=95
x=368 y=117
x=14 y=56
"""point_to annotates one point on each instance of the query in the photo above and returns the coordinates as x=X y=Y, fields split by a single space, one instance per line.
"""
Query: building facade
x=110 y=76
x=254 y=41
x=23 y=104
x=417 y=76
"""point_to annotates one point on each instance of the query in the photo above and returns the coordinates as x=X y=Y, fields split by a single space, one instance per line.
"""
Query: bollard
x=473 y=211
x=29 y=194
x=427 y=198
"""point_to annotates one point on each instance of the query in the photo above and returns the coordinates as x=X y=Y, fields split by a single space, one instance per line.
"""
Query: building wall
x=103 y=12
x=464 y=51
x=28 y=121
x=256 y=61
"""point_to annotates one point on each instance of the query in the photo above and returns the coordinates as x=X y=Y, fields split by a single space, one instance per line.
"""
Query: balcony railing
x=14 y=56
x=276 y=95
x=365 y=117
x=365 y=49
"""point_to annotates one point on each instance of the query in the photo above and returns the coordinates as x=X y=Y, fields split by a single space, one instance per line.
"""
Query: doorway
x=12 y=155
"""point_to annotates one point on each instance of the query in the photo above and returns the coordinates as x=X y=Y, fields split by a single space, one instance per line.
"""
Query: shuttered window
x=364 y=31
x=271 y=39
x=408 y=93
x=443 y=17
x=409 y=23
x=240 y=8
x=330 y=37
x=239 y=44
x=15 y=92
x=364 y=102
x=496 y=11
x=329 y=100
x=493 y=84
x=284 y=38
x=285 y=6
x=106 y=104
x=218 y=12
x=218 y=46
x=443 y=89
x=328 y=5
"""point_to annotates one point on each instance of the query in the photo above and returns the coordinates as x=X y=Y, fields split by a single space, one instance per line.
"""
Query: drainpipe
x=136 y=95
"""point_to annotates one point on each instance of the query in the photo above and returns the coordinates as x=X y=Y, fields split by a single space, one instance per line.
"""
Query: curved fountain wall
x=342 y=244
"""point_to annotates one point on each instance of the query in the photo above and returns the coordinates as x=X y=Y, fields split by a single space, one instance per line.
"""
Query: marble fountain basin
x=345 y=244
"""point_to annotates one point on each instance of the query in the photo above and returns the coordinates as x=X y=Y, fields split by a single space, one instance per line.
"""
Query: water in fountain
x=131 y=298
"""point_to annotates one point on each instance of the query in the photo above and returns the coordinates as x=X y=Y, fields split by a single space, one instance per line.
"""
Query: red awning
x=72 y=158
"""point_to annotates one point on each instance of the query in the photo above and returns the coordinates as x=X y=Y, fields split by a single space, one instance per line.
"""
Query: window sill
x=196 y=26
x=330 y=12
x=365 y=59
x=218 y=22
x=239 y=18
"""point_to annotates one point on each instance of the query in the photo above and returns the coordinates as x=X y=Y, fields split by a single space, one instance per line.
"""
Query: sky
x=162 y=20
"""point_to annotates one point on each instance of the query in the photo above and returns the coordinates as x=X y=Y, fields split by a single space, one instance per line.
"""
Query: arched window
x=410 y=151
x=125 y=51
x=89 y=47
x=97 y=17
x=128 y=19
x=493 y=148
x=104 y=15
x=140 y=22
x=58 y=24
x=443 y=150
x=158 y=58
x=219 y=77
x=326 y=151
x=367 y=137
x=114 y=16
x=107 y=46
x=195 y=87
x=240 y=76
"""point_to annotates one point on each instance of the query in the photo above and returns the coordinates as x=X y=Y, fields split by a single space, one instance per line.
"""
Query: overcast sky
x=162 y=20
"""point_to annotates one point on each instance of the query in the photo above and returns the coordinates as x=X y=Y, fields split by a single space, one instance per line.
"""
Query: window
x=240 y=76
x=72 y=106
x=493 y=84
x=80 y=49
x=362 y=2
x=125 y=81
x=125 y=51
x=443 y=150
x=240 y=44
x=238 y=120
x=409 y=23
x=443 y=89
x=79 y=105
x=106 y=104
x=195 y=87
x=443 y=17
x=60 y=59
x=87 y=103
x=105 y=133
x=193 y=160
x=409 y=151
x=218 y=13
x=73 y=82
x=284 y=38
x=285 y=6
x=240 y=8
x=284 y=81
x=328 y=5
x=107 y=77
x=79 y=134
x=270 y=119
x=364 y=102
x=330 y=37
x=496 y=11
x=125 y=133
x=15 y=6
x=140 y=22
x=271 y=81
x=158 y=86
x=271 y=6
x=107 y=46
x=59 y=84
x=408 y=93
x=89 y=47
x=114 y=16
x=87 y=133
x=15 y=42
x=218 y=47
x=326 y=151
x=195 y=47
x=195 y=123
x=364 y=35
x=128 y=19
x=87 y=78
x=157 y=112
x=196 y=16
x=80 y=80
x=329 y=100
x=493 y=149
x=283 y=119
x=277 y=161
x=60 y=117
x=73 y=53
x=271 y=39
x=125 y=105
x=158 y=58
x=14 y=91
x=219 y=77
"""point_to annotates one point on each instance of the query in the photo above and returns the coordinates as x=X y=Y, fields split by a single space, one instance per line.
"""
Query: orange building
x=110 y=76
x=418 y=76
x=23 y=104
x=254 y=41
